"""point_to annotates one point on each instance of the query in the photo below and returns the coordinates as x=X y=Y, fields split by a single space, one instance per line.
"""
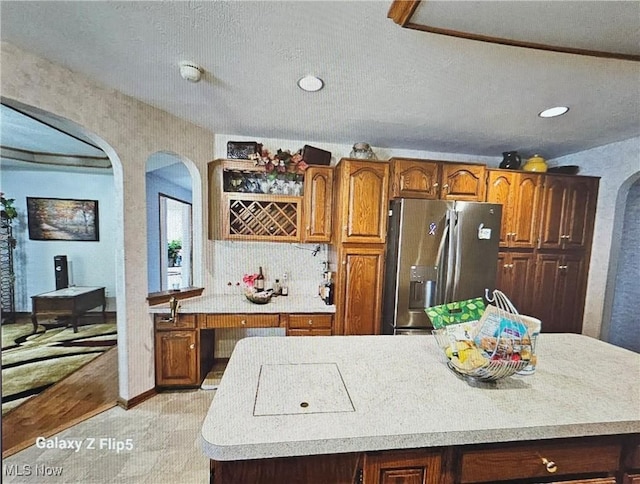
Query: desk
x=70 y=301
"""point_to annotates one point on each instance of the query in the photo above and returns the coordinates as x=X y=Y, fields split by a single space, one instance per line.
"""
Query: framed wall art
x=62 y=219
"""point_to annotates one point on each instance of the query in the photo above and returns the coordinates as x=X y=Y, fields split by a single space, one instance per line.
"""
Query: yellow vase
x=535 y=163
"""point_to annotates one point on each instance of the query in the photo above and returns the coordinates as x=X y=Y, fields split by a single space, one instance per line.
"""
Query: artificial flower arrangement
x=249 y=281
x=282 y=163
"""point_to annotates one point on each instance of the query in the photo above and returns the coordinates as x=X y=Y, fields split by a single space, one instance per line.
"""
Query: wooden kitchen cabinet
x=183 y=354
x=519 y=195
x=359 y=300
x=308 y=324
x=568 y=211
x=463 y=181
x=558 y=298
x=433 y=180
x=516 y=278
x=318 y=200
x=361 y=201
x=495 y=463
x=415 y=178
x=238 y=320
x=357 y=252
x=586 y=460
x=240 y=210
x=176 y=358
x=406 y=467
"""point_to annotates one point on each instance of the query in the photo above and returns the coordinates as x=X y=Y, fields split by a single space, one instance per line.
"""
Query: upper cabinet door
x=415 y=179
x=461 y=181
x=525 y=210
x=364 y=188
x=519 y=195
x=554 y=195
x=568 y=213
x=318 y=198
x=501 y=190
x=581 y=209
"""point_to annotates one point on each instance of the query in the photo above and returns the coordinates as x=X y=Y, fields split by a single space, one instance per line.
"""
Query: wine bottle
x=328 y=290
x=259 y=282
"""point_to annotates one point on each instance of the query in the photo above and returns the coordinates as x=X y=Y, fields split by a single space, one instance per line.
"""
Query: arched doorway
x=623 y=329
x=169 y=223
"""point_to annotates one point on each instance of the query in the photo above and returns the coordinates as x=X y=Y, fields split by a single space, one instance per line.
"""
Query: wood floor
x=85 y=393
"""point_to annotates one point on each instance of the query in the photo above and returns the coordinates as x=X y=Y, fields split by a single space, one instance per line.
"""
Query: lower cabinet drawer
x=308 y=321
x=183 y=321
x=538 y=460
x=309 y=332
x=239 y=321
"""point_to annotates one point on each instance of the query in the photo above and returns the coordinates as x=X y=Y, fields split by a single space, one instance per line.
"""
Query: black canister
x=510 y=160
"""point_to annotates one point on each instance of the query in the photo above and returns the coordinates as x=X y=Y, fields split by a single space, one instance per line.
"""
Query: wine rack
x=262 y=217
x=245 y=203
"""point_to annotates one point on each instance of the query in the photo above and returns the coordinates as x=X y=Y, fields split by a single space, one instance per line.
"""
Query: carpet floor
x=32 y=362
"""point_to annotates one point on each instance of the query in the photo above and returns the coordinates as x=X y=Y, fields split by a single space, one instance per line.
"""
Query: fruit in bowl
x=261 y=297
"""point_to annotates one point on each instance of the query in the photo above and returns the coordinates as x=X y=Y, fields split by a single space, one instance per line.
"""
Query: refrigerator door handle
x=451 y=255
x=456 y=242
x=441 y=276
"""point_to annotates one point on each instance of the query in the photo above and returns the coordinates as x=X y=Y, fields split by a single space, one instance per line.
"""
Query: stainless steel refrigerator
x=438 y=251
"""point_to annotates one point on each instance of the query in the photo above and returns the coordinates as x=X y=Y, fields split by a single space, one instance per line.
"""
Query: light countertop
x=237 y=303
x=320 y=395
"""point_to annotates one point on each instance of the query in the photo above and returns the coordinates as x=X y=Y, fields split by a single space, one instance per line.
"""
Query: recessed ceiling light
x=553 y=112
x=310 y=83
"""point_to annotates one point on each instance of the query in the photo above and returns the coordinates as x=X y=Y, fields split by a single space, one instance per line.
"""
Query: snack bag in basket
x=466 y=311
x=503 y=335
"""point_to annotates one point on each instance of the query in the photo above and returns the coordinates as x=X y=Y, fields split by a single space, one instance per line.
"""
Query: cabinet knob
x=192 y=346
x=244 y=321
x=446 y=187
x=436 y=185
x=550 y=465
x=310 y=322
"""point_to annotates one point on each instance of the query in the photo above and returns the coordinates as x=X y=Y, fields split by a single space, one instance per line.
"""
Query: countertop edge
x=412 y=441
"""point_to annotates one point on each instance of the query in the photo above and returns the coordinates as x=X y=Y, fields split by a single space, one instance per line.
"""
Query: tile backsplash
x=232 y=260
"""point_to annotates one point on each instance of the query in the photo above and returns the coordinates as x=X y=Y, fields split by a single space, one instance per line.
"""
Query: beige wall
x=129 y=132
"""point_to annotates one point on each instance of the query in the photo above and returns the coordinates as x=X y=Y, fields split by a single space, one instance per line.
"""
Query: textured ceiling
x=389 y=86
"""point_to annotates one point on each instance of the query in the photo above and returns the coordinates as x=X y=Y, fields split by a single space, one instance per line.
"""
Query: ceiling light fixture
x=310 y=83
x=190 y=71
x=553 y=112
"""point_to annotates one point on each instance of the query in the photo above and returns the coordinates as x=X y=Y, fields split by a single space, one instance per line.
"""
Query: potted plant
x=174 y=248
x=8 y=211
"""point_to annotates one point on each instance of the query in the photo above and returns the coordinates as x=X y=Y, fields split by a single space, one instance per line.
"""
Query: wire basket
x=494 y=350
x=491 y=370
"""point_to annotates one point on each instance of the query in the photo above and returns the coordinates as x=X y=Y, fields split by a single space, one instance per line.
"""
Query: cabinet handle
x=244 y=321
x=436 y=185
x=513 y=235
x=445 y=187
x=550 y=465
x=192 y=346
x=310 y=322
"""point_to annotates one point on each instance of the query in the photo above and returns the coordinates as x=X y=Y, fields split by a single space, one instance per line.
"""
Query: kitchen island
x=345 y=409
